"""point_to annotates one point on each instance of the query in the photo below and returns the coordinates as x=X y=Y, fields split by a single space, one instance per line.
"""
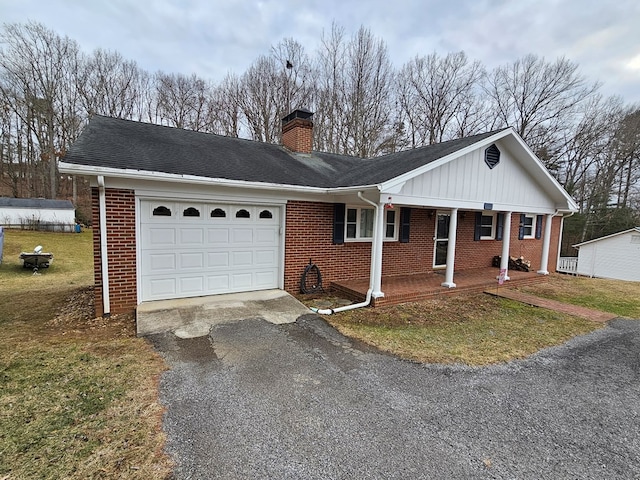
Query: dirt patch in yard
x=75 y=317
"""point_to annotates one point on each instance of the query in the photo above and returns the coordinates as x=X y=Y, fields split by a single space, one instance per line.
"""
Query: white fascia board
x=92 y=171
x=634 y=229
x=171 y=177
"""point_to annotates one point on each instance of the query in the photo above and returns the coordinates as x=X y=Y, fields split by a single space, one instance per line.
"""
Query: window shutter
x=499 y=226
x=521 y=229
x=338 y=223
x=539 y=227
x=478 y=228
x=405 y=224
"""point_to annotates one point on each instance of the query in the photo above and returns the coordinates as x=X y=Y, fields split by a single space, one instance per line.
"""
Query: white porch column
x=506 y=241
x=451 y=249
x=546 y=240
x=376 y=252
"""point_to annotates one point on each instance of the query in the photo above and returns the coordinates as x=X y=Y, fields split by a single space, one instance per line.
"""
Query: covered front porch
x=411 y=288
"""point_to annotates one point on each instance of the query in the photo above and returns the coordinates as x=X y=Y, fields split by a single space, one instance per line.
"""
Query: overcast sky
x=213 y=37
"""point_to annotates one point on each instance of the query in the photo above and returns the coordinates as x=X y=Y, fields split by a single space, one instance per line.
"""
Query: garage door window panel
x=161 y=211
x=191 y=212
x=218 y=213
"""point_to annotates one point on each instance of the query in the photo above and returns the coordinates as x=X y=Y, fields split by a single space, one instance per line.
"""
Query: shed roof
x=39 y=203
x=634 y=229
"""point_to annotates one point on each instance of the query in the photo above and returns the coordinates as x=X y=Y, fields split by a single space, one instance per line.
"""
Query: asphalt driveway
x=256 y=400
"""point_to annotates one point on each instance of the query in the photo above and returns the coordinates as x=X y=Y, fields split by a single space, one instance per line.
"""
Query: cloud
x=211 y=38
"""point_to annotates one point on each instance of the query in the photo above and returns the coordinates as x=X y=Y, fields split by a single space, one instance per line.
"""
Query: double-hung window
x=529 y=226
x=359 y=224
x=487 y=226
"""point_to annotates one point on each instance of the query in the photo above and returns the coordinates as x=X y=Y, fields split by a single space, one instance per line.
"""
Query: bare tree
x=183 y=101
x=110 y=85
x=537 y=98
x=355 y=94
x=627 y=150
x=273 y=86
x=439 y=96
x=225 y=107
x=329 y=102
x=34 y=66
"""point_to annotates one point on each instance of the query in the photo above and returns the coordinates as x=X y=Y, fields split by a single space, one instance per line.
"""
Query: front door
x=441 y=240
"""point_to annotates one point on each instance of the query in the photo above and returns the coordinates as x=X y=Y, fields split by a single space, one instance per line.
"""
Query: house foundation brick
x=121 y=248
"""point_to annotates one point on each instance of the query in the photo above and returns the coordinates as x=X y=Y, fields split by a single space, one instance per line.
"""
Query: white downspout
x=506 y=244
x=374 y=276
x=103 y=246
x=560 y=237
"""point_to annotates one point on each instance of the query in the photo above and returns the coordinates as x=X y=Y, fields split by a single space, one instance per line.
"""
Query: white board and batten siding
x=468 y=182
x=190 y=249
x=615 y=256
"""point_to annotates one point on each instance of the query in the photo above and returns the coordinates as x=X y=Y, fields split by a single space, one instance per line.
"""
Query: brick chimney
x=297 y=131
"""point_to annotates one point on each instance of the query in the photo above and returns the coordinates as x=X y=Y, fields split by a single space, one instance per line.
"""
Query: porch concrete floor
x=412 y=288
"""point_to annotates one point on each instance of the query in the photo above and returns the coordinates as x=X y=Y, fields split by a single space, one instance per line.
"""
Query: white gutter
x=74 y=169
x=103 y=247
x=372 y=270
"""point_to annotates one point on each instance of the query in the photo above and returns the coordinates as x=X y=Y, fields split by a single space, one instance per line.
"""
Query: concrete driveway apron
x=256 y=400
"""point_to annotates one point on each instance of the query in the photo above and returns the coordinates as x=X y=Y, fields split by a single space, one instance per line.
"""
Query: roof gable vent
x=492 y=156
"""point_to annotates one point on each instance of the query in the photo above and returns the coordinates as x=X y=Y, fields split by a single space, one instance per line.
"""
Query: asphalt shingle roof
x=36 y=203
x=124 y=144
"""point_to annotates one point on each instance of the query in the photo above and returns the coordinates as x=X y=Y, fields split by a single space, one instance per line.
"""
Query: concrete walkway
x=194 y=317
x=583 y=312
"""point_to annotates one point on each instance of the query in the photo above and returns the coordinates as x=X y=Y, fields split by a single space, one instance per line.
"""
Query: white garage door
x=191 y=249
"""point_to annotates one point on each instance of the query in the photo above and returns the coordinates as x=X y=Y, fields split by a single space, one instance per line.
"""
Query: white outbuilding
x=37 y=214
x=616 y=256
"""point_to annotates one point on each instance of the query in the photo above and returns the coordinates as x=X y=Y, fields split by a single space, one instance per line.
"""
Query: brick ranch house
x=178 y=213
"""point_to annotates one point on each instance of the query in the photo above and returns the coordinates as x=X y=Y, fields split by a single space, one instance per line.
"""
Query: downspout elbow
x=331 y=311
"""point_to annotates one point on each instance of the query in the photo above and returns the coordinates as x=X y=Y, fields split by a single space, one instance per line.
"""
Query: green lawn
x=78 y=395
x=471 y=329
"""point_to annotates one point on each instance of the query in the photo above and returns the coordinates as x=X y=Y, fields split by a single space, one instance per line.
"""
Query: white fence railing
x=568 y=265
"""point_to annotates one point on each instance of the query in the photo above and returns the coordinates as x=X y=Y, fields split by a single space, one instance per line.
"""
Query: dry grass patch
x=614 y=296
x=470 y=329
x=78 y=395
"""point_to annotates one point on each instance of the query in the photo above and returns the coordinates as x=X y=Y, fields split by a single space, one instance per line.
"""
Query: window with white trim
x=488 y=226
x=529 y=226
x=359 y=222
x=391 y=222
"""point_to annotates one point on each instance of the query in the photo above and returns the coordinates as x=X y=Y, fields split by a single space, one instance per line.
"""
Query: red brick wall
x=297 y=135
x=121 y=247
x=474 y=254
x=309 y=234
